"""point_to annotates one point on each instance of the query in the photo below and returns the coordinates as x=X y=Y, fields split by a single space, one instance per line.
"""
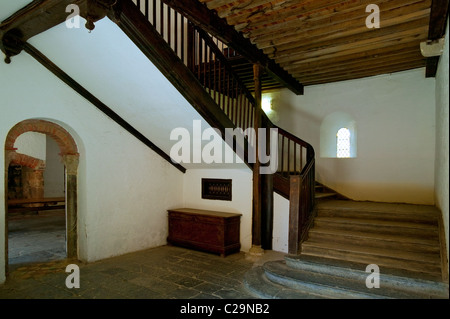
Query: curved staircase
x=343 y=240
x=402 y=240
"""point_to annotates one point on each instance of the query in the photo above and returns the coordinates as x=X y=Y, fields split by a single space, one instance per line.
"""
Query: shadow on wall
x=287 y=114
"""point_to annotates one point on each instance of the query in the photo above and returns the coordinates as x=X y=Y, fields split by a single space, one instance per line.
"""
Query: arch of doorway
x=70 y=157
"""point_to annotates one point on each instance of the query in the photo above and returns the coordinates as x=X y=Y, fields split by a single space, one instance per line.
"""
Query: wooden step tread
x=413 y=217
x=374 y=222
x=297 y=261
x=386 y=264
x=358 y=235
x=424 y=270
x=428 y=258
x=324 y=195
x=380 y=215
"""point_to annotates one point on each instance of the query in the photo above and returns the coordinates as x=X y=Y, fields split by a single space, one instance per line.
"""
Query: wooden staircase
x=324 y=192
x=397 y=237
x=199 y=66
x=404 y=241
x=194 y=61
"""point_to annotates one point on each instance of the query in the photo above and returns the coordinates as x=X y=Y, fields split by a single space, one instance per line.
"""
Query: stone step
x=376 y=240
x=428 y=258
x=305 y=277
x=418 y=230
x=257 y=283
x=423 y=217
x=324 y=285
x=392 y=279
x=319 y=195
x=383 y=258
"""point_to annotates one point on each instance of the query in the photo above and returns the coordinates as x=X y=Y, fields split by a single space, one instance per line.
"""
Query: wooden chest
x=211 y=231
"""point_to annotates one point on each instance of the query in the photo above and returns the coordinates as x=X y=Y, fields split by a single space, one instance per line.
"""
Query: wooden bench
x=50 y=203
x=211 y=231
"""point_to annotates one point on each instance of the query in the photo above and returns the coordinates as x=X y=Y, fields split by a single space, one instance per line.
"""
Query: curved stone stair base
x=305 y=277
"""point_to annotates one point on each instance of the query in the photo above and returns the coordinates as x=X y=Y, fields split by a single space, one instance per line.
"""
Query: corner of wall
x=442 y=137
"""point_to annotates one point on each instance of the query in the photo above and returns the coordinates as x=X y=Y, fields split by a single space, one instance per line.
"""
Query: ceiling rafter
x=317 y=41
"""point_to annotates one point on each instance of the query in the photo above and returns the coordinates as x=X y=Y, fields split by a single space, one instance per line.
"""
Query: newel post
x=256 y=249
x=71 y=162
x=294 y=215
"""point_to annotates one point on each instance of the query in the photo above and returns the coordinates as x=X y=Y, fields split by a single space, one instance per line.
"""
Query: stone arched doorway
x=70 y=157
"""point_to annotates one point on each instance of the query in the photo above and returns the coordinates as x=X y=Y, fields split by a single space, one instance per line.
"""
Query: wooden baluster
x=233 y=84
x=248 y=108
x=295 y=158
x=204 y=53
x=169 y=26
x=182 y=40
x=146 y=9
x=231 y=99
x=222 y=86
x=200 y=49
x=289 y=157
x=161 y=19
x=228 y=93
x=301 y=158
x=282 y=154
x=154 y=13
x=252 y=117
x=176 y=33
x=236 y=105
x=240 y=109
x=210 y=73
x=190 y=47
x=215 y=79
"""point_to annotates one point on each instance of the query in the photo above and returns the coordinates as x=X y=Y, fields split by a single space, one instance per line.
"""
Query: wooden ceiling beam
x=41 y=15
x=353 y=63
x=244 y=7
x=331 y=59
x=436 y=30
x=392 y=68
x=339 y=30
x=224 y=4
x=373 y=36
x=293 y=10
x=347 y=59
x=391 y=9
x=362 y=64
x=206 y=19
x=417 y=34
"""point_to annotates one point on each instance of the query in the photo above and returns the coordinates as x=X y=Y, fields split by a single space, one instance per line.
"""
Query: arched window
x=343 y=143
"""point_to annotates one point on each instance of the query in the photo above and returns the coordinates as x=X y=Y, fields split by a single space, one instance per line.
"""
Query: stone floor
x=37 y=269
x=165 y=272
x=36 y=238
x=161 y=273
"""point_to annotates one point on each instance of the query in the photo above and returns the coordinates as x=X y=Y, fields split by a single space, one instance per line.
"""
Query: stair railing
x=206 y=57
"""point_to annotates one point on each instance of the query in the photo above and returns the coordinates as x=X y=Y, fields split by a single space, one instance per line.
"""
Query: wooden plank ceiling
x=322 y=41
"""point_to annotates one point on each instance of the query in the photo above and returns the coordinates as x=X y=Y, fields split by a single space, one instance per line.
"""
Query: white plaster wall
x=241 y=203
x=32 y=144
x=241 y=196
x=395 y=120
x=280 y=223
x=442 y=137
x=124 y=188
x=54 y=171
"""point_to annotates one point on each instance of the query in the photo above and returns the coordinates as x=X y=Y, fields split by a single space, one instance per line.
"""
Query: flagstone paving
x=165 y=272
